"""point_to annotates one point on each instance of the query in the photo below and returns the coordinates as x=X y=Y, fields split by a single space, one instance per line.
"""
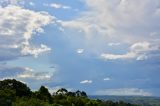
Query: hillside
x=143 y=101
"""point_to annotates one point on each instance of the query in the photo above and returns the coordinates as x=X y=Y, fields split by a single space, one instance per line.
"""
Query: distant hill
x=143 y=101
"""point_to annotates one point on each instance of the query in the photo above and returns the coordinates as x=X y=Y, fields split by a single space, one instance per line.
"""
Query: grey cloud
x=23 y=73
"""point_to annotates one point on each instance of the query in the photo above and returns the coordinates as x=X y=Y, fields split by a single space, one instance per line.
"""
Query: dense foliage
x=16 y=93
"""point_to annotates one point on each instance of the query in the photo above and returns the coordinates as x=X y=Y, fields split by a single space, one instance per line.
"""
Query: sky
x=104 y=47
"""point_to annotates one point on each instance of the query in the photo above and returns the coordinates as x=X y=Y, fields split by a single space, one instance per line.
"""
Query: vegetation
x=16 y=93
x=141 y=100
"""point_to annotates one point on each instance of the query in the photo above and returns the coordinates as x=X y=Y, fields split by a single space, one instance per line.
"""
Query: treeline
x=16 y=93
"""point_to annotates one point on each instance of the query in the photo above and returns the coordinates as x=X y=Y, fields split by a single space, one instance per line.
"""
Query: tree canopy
x=16 y=93
x=20 y=88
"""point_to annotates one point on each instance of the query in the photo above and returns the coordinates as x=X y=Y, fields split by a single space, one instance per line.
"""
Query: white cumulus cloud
x=80 y=51
x=17 y=27
x=58 y=6
x=35 y=51
x=86 y=82
x=137 y=50
x=107 y=79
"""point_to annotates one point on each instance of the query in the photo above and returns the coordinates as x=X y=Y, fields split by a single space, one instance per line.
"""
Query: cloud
x=140 y=47
x=137 y=50
x=142 y=57
x=124 y=92
x=23 y=73
x=16 y=31
x=113 y=44
x=5 y=3
x=120 y=21
x=107 y=79
x=122 y=56
x=35 y=51
x=86 y=82
x=58 y=6
x=31 y=74
x=80 y=51
x=31 y=3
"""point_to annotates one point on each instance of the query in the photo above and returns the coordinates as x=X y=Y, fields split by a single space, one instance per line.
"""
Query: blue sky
x=104 y=47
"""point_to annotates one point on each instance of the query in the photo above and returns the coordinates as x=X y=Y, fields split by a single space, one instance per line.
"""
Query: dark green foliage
x=6 y=97
x=30 y=102
x=61 y=91
x=20 y=88
x=73 y=94
x=120 y=103
x=43 y=94
x=15 y=93
x=81 y=94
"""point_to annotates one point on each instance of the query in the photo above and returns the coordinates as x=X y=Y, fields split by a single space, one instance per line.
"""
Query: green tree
x=20 y=88
x=43 y=94
x=73 y=94
x=16 y=93
x=7 y=97
x=62 y=91
x=30 y=102
x=83 y=94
